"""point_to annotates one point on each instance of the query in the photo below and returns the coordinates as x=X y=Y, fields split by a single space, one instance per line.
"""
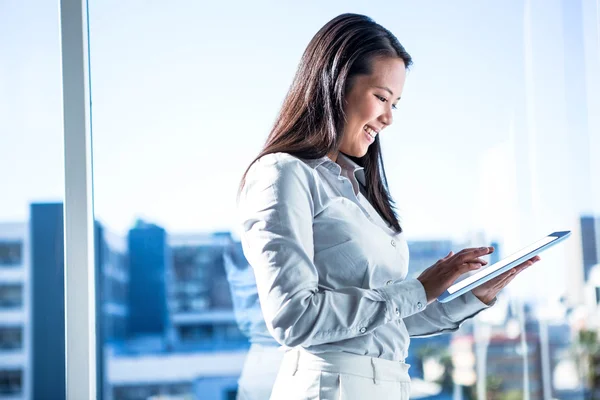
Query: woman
x=320 y=231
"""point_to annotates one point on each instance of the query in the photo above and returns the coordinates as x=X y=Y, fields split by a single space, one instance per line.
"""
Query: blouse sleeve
x=445 y=317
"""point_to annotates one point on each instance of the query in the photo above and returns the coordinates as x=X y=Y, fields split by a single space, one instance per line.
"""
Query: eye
x=384 y=100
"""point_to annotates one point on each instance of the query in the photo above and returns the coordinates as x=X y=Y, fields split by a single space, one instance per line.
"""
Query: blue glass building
x=148 y=264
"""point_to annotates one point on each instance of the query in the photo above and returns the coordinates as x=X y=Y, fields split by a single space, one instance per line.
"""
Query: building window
x=11 y=338
x=153 y=391
x=11 y=296
x=11 y=254
x=11 y=382
x=195 y=333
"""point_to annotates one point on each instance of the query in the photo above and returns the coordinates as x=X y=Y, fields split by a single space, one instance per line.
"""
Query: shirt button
x=363 y=329
x=397 y=312
x=419 y=305
x=393 y=243
x=389 y=282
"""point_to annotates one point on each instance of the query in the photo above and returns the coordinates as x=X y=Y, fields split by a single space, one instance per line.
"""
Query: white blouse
x=330 y=272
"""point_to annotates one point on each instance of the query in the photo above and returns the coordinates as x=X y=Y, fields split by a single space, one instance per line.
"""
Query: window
x=11 y=254
x=153 y=391
x=11 y=382
x=11 y=296
x=196 y=333
x=11 y=338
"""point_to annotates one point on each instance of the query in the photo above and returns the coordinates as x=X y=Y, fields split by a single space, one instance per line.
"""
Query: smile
x=370 y=133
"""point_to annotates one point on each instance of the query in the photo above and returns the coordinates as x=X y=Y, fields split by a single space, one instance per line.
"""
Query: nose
x=387 y=118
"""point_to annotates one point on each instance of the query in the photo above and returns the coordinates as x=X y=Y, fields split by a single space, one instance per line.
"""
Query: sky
x=184 y=94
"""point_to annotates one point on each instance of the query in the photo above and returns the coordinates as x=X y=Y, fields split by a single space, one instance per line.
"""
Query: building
x=200 y=304
x=15 y=319
x=112 y=309
x=163 y=303
x=32 y=361
x=590 y=243
x=199 y=352
x=149 y=261
x=192 y=374
x=46 y=236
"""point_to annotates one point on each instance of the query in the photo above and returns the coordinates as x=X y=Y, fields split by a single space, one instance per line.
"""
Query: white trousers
x=340 y=376
x=259 y=372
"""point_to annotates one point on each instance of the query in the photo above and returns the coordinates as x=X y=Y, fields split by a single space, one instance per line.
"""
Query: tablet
x=492 y=271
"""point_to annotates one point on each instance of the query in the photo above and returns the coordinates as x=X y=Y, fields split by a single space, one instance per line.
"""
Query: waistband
x=346 y=363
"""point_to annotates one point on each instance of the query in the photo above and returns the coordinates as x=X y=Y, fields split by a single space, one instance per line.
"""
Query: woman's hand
x=441 y=275
x=487 y=292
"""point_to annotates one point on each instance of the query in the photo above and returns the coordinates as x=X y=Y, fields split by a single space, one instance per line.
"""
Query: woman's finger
x=473 y=254
x=499 y=280
x=508 y=279
x=511 y=273
x=469 y=251
x=526 y=264
x=529 y=262
x=469 y=266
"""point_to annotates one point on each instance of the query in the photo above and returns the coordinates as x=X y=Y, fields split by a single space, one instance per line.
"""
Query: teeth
x=370 y=131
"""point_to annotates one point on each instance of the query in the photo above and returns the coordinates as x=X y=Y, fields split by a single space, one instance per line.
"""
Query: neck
x=333 y=156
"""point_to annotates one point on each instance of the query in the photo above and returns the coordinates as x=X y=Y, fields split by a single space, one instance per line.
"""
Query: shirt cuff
x=465 y=306
x=404 y=298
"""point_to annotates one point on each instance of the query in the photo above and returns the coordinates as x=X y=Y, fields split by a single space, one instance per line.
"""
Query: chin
x=355 y=152
x=362 y=153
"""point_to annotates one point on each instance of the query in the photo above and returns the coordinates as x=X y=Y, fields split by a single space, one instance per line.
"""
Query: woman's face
x=370 y=103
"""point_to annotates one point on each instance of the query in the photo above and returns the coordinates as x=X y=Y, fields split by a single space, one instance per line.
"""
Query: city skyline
x=196 y=327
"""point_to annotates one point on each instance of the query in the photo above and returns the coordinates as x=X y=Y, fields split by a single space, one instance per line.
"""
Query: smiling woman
x=339 y=89
x=328 y=252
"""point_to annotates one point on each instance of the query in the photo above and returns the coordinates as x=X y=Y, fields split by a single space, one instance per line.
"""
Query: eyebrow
x=387 y=89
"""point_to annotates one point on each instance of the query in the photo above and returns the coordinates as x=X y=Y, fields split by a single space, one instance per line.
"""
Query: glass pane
x=495 y=142
x=32 y=348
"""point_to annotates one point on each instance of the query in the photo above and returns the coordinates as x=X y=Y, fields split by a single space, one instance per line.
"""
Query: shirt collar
x=315 y=162
x=349 y=165
x=343 y=162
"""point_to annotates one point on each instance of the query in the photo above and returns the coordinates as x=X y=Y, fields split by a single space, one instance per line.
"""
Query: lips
x=370 y=139
x=370 y=131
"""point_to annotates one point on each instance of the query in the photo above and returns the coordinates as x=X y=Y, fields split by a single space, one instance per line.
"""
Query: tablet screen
x=495 y=267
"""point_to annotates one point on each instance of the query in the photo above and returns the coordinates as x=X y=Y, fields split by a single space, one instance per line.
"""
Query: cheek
x=366 y=112
x=360 y=113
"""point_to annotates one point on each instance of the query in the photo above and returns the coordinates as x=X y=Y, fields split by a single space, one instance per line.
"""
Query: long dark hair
x=310 y=123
